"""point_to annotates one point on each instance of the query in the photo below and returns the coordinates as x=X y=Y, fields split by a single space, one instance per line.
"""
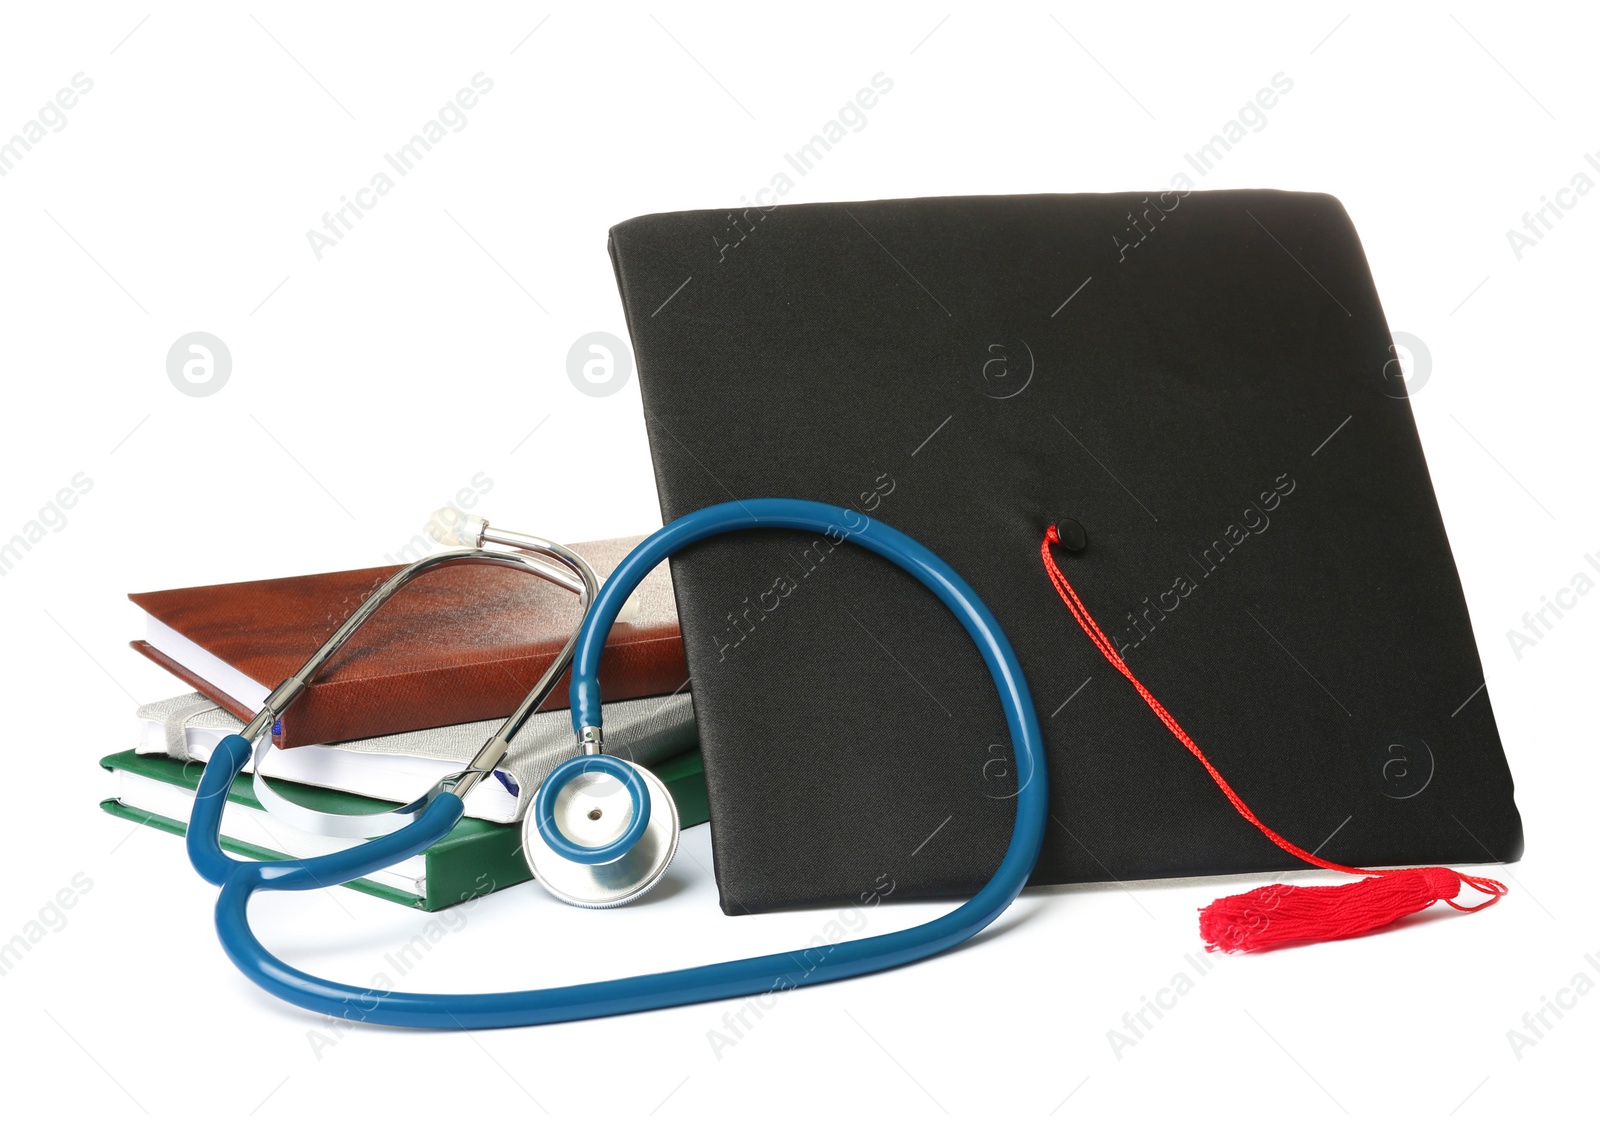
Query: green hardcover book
x=478 y=856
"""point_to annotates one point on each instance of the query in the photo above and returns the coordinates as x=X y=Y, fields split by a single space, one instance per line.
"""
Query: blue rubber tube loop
x=759 y=975
x=544 y=809
x=203 y=838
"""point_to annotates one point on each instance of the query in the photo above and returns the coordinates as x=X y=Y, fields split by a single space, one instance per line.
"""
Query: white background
x=426 y=346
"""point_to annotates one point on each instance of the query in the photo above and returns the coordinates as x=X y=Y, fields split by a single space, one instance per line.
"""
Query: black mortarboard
x=1199 y=389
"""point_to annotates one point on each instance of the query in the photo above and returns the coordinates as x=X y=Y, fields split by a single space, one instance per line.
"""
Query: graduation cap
x=1191 y=447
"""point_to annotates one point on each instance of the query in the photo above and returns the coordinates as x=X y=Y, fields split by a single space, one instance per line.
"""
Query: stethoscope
x=590 y=860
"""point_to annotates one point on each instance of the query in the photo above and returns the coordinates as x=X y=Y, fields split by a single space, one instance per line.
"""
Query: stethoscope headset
x=573 y=853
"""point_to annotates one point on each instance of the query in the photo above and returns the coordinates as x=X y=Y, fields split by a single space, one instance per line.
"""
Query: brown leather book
x=456 y=645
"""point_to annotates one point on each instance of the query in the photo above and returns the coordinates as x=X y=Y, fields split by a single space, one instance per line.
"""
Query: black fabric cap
x=1199 y=382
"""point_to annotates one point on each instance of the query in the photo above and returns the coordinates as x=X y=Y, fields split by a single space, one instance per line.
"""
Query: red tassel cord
x=1282 y=913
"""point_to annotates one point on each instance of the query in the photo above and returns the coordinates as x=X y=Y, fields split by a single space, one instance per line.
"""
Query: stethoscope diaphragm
x=600 y=832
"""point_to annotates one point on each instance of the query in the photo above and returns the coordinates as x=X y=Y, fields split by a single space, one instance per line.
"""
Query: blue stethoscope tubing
x=240 y=879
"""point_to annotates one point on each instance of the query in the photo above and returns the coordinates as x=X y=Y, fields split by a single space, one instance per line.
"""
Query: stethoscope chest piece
x=600 y=832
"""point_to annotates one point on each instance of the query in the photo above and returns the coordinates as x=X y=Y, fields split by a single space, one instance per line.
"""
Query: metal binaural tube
x=555 y=563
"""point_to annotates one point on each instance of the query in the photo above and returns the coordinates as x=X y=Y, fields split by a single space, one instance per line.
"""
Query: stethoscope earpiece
x=600 y=831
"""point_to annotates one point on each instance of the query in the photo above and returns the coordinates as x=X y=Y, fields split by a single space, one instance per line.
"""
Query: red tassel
x=1282 y=913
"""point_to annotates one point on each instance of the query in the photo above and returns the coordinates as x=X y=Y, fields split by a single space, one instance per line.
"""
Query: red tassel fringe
x=1282 y=913
x=1279 y=914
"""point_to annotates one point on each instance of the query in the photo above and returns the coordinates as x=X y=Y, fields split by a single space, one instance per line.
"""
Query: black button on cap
x=1073 y=536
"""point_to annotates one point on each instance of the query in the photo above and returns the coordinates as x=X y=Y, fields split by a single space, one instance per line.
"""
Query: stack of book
x=408 y=700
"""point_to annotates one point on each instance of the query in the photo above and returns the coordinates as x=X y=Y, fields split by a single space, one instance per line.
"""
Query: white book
x=402 y=767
